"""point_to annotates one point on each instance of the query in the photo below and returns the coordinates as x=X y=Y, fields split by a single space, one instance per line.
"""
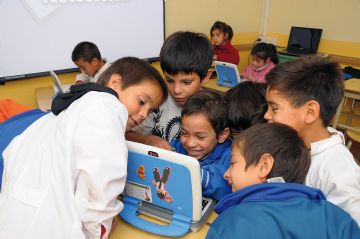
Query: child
x=64 y=172
x=221 y=35
x=185 y=59
x=264 y=58
x=305 y=94
x=246 y=106
x=262 y=205
x=204 y=136
x=87 y=57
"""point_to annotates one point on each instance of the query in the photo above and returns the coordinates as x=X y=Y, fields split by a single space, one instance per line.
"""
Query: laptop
x=227 y=73
x=164 y=185
x=58 y=87
x=302 y=41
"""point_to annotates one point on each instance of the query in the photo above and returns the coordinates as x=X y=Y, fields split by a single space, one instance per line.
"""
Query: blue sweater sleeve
x=213 y=182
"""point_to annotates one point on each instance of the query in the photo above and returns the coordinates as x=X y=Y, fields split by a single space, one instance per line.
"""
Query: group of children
x=62 y=176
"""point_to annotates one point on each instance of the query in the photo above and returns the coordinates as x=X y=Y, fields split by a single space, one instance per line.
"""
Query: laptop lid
x=227 y=73
x=303 y=40
x=58 y=87
x=165 y=179
x=57 y=82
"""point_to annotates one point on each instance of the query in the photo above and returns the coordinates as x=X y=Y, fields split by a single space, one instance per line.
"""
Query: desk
x=212 y=84
x=352 y=91
x=44 y=96
x=125 y=231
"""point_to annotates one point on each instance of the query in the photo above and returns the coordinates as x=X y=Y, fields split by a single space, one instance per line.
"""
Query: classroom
x=269 y=21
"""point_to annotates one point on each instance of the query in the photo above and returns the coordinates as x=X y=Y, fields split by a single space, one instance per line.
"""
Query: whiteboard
x=39 y=35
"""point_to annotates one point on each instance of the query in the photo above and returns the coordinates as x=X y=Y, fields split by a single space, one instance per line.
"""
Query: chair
x=353 y=136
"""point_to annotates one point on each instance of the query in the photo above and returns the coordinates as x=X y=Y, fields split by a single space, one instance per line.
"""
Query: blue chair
x=13 y=127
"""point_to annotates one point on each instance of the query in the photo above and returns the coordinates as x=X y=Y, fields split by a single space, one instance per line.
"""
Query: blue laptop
x=167 y=186
x=228 y=74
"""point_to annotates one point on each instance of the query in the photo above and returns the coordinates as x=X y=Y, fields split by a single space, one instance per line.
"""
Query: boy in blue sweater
x=204 y=136
x=262 y=205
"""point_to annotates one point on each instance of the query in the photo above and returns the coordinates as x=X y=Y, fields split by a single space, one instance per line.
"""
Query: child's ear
x=312 y=111
x=226 y=36
x=265 y=165
x=267 y=60
x=94 y=61
x=223 y=135
x=115 y=82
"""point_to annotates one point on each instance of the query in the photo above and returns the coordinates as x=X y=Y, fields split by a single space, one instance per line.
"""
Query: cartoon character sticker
x=160 y=181
x=141 y=172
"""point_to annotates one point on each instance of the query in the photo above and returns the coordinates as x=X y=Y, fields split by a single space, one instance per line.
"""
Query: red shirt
x=227 y=53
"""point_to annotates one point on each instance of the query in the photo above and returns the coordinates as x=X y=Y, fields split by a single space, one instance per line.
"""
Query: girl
x=221 y=35
x=264 y=57
x=63 y=174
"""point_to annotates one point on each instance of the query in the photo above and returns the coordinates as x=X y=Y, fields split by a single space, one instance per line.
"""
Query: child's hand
x=157 y=142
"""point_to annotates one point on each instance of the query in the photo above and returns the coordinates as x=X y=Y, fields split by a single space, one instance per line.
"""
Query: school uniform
x=334 y=171
x=84 y=78
x=63 y=174
x=164 y=122
x=280 y=210
x=213 y=166
x=227 y=53
x=258 y=76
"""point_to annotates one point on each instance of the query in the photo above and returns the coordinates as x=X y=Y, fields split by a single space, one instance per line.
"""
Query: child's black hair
x=133 y=71
x=210 y=104
x=86 y=51
x=309 y=78
x=246 y=105
x=291 y=157
x=186 y=52
x=265 y=51
x=224 y=28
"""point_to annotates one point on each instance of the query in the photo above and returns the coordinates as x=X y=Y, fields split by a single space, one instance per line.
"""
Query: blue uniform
x=280 y=210
x=213 y=167
x=13 y=127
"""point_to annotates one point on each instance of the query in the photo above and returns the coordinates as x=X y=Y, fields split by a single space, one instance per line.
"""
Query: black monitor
x=304 y=39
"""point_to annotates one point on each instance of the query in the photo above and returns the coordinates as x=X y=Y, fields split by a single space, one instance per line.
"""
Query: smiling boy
x=204 y=136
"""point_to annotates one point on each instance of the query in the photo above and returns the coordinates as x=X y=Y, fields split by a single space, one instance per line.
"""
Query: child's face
x=258 y=62
x=197 y=135
x=181 y=86
x=89 y=68
x=237 y=176
x=139 y=100
x=280 y=110
x=217 y=37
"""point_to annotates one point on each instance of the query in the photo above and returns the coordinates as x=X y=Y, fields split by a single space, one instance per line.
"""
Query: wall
x=199 y=15
x=339 y=19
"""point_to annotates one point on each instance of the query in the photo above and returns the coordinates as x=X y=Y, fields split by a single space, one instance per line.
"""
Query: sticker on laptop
x=138 y=191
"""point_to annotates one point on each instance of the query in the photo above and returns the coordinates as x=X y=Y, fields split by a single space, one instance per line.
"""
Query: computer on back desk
x=302 y=41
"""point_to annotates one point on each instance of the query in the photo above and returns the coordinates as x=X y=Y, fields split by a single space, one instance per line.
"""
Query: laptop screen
x=304 y=39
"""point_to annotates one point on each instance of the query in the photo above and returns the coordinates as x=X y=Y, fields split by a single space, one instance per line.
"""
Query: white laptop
x=227 y=73
x=167 y=186
x=58 y=87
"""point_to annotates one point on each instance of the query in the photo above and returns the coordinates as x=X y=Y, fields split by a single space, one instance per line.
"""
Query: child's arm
x=100 y=156
x=213 y=182
x=148 y=139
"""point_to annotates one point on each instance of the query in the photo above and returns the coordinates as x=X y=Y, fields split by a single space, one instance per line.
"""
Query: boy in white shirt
x=87 y=57
x=185 y=59
x=305 y=94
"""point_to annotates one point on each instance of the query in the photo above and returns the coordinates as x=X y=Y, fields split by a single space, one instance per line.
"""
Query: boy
x=204 y=135
x=246 y=106
x=262 y=205
x=60 y=174
x=185 y=59
x=87 y=57
x=305 y=94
